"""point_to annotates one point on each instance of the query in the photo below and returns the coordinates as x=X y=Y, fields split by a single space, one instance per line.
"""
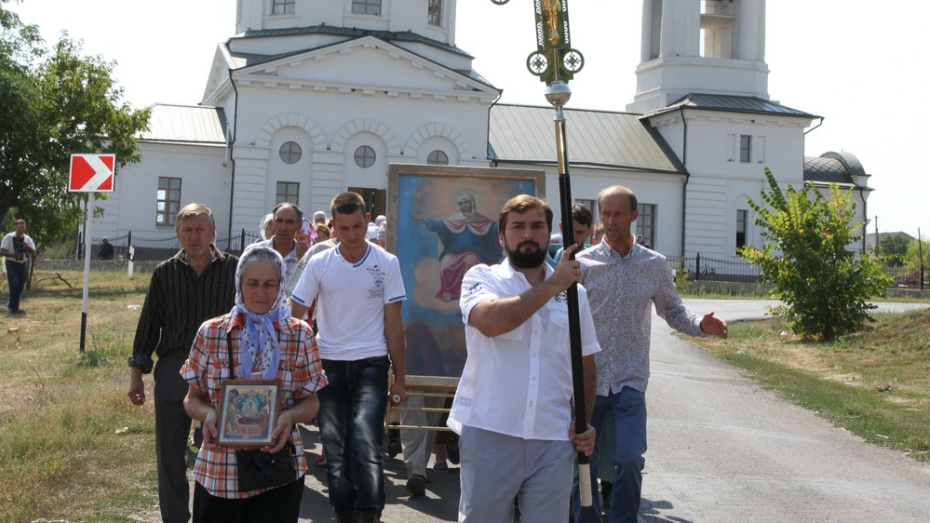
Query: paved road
x=720 y=450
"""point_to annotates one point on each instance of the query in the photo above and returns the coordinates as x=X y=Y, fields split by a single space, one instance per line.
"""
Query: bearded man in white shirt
x=513 y=406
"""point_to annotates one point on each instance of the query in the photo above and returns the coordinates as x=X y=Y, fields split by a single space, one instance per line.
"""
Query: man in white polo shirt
x=359 y=293
x=513 y=407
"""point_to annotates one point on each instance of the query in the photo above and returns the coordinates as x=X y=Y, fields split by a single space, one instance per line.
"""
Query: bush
x=824 y=288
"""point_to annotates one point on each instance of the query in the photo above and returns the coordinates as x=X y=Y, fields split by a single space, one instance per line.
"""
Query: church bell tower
x=700 y=46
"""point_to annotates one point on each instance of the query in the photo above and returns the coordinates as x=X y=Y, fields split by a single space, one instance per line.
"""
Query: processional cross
x=555 y=62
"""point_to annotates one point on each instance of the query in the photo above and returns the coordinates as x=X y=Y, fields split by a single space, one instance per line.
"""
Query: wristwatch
x=141 y=360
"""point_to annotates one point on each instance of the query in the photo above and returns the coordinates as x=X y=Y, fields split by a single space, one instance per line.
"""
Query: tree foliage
x=892 y=248
x=55 y=102
x=916 y=248
x=824 y=288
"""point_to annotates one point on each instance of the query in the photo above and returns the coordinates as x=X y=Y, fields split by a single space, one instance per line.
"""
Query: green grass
x=72 y=447
x=875 y=383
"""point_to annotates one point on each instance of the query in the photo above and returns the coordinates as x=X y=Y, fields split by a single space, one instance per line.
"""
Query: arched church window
x=290 y=153
x=364 y=157
x=281 y=7
x=437 y=158
x=366 y=7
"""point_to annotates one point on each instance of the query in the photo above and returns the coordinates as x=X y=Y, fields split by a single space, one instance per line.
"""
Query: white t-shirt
x=298 y=271
x=7 y=245
x=518 y=383
x=352 y=296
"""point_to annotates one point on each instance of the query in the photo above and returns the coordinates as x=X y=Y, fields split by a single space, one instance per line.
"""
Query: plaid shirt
x=207 y=367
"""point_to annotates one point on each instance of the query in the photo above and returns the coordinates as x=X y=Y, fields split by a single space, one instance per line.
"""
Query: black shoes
x=394 y=446
x=416 y=485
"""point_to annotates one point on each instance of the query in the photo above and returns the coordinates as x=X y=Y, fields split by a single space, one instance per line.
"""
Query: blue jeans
x=16 y=276
x=628 y=410
x=351 y=416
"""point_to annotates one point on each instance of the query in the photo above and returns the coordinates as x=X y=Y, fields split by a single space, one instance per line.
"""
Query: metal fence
x=908 y=277
x=162 y=246
x=699 y=268
x=158 y=246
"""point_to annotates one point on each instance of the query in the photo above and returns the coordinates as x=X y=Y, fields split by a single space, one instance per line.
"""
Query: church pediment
x=366 y=64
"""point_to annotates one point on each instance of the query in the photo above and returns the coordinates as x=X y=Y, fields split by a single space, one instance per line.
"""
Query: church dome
x=833 y=167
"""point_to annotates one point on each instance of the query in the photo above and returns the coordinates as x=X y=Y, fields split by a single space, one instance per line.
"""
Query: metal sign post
x=88 y=226
x=90 y=173
x=555 y=62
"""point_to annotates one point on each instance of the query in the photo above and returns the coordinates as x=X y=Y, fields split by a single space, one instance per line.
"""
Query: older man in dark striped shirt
x=196 y=284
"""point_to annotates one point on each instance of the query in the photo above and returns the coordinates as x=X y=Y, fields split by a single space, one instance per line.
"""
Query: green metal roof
x=737 y=104
x=832 y=167
x=526 y=134
x=198 y=125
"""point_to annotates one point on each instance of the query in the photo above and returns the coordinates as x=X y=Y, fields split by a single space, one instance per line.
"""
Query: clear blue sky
x=861 y=65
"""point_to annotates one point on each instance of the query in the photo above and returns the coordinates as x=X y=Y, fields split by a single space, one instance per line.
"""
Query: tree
x=823 y=287
x=912 y=259
x=893 y=248
x=55 y=102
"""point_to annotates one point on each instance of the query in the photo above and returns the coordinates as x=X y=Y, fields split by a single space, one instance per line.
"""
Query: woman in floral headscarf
x=265 y=343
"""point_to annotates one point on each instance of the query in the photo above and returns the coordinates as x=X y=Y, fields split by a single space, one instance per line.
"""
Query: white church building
x=313 y=97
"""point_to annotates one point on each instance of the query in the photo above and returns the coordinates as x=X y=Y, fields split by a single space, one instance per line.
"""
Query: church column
x=667 y=31
x=752 y=30
x=650 y=30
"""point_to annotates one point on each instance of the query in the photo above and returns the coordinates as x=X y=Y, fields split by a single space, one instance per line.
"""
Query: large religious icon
x=441 y=222
x=468 y=238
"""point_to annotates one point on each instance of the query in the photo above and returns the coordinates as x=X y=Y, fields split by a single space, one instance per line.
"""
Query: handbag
x=261 y=470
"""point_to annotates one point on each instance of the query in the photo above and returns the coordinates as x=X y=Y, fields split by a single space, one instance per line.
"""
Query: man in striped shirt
x=196 y=284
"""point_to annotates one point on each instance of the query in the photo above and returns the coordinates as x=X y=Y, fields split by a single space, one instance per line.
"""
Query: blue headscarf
x=258 y=339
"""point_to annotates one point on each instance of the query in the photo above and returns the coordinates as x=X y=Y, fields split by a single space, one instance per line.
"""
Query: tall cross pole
x=555 y=62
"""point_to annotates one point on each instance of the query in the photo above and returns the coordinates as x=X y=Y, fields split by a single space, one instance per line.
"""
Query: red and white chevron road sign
x=92 y=173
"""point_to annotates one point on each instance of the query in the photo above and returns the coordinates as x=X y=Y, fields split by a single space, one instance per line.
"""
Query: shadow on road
x=439 y=504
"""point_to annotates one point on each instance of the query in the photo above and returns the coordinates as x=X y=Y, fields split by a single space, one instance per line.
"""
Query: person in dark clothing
x=106 y=250
x=196 y=284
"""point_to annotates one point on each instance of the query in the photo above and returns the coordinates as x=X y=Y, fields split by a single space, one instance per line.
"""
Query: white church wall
x=355 y=175
x=713 y=147
x=251 y=185
x=396 y=15
x=706 y=208
x=279 y=170
x=435 y=143
x=204 y=179
x=663 y=191
x=329 y=126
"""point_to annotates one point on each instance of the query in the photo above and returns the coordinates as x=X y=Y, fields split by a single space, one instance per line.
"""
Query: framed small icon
x=248 y=410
